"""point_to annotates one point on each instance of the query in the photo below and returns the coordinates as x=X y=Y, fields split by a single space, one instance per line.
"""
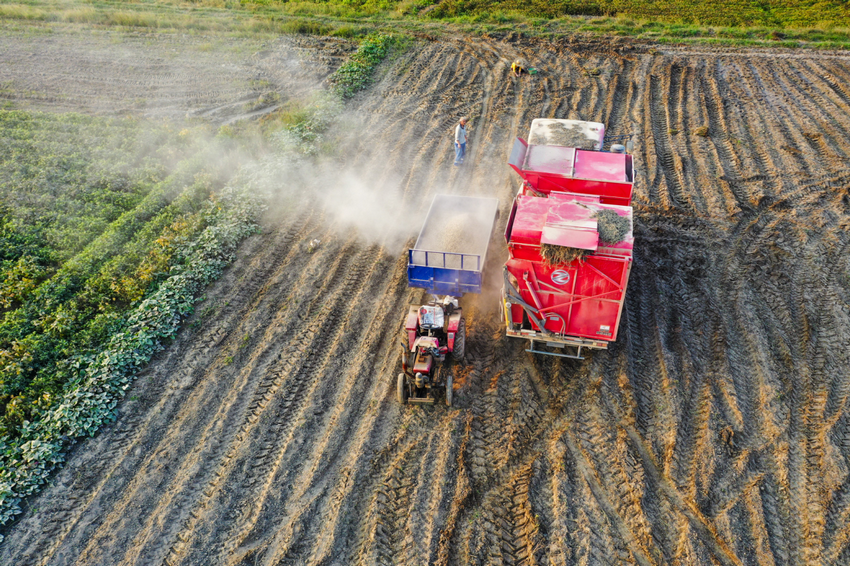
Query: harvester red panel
x=550 y=168
x=574 y=202
x=580 y=299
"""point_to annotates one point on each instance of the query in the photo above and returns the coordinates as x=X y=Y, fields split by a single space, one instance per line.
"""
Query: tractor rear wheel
x=460 y=341
x=401 y=389
x=449 y=391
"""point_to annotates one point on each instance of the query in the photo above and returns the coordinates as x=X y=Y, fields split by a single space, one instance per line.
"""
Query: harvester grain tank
x=448 y=259
x=569 y=238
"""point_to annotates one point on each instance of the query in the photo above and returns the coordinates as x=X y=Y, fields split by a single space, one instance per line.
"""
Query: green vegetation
x=355 y=74
x=92 y=212
x=790 y=23
x=789 y=13
x=27 y=459
x=108 y=229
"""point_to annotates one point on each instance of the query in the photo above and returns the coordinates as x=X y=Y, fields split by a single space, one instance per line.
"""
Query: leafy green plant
x=356 y=74
x=305 y=27
x=89 y=306
x=97 y=230
x=27 y=459
x=107 y=231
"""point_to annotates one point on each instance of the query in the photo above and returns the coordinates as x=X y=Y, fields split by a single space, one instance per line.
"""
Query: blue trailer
x=448 y=259
x=449 y=255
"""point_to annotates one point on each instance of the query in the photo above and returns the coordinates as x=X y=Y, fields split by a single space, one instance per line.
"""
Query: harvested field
x=715 y=431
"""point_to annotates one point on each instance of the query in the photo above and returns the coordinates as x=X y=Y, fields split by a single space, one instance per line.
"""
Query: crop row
x=28 y=459
x=356 y=74
x=109 y=231
x=82 y=314
x=91 y=213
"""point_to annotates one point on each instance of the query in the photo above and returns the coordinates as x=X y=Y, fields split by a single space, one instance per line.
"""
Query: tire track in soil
x=288 y=387
x=828 y=73
x=130 y=434
x=692 y=117
x=615 y=475
x=618 y=99
x=338 y=493
x=802 y=111
x=393 y=506
x=659 y=90
x=354 y=455
x=373 y=538
x=733 y=164
x=817 y=125
x=781 y=143
x=763 y=161
x=311 y=477
x=194 y=478
x=604 y=525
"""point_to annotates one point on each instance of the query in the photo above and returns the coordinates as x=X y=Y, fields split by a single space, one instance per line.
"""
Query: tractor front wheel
x=449 y=391
x=401 y=390
x=460 y=341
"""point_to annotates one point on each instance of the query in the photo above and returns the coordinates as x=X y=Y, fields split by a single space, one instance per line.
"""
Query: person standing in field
x=460 y=141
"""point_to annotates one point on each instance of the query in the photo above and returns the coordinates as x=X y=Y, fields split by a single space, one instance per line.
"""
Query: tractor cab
x=432 y=331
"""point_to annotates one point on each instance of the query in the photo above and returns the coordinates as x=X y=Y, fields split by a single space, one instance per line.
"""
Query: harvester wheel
x=460 y=341
x=401 y=389
x=449 y=391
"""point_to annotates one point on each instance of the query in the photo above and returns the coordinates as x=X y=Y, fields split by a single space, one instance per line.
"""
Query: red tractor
x=433 y=331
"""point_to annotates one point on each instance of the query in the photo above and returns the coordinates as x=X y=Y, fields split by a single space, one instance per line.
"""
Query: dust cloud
x=346 y=201
x=308 y=172
x=353 y=201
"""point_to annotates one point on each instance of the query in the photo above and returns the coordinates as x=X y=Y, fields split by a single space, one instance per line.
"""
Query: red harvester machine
x=566 y=194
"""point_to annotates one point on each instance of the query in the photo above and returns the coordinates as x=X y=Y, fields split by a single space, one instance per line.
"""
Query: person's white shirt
x=460 y=134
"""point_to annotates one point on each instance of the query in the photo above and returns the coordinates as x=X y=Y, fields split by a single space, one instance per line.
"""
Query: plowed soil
x=715 y=431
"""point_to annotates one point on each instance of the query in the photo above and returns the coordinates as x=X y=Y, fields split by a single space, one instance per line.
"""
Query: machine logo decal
x=560 y=277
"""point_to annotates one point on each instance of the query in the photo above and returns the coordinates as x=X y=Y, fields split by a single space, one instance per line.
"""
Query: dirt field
x=715 y=431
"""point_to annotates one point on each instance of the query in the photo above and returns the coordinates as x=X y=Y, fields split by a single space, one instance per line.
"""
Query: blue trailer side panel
x=444 y=280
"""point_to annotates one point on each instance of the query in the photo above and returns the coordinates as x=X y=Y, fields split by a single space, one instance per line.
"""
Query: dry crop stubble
x=714 y=431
